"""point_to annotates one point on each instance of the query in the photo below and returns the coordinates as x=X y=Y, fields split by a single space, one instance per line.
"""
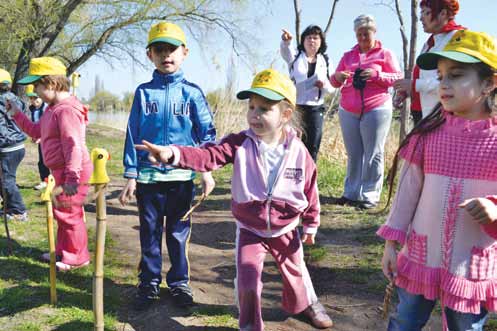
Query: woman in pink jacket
x=364 y=75
x=61 y=129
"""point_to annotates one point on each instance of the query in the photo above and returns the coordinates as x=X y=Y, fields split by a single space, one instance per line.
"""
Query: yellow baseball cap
x=5 y=77
x=30 y=91
x=465 y=46
x=165 y=32
x=271 y=85
x=43 y=66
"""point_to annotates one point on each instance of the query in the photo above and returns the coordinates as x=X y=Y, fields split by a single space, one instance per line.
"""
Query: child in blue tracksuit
x=167 y=110
x=37 y=107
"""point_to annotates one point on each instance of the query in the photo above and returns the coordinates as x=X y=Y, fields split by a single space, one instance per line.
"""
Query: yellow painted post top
x=47 y=193
x=75 y=79
x=99 y=157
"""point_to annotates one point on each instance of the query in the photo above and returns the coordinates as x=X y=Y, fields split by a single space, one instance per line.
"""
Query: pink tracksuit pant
x=287 y=250
x=72 y=238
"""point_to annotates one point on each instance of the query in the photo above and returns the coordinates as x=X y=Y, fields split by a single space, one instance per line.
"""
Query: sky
x=199 y=67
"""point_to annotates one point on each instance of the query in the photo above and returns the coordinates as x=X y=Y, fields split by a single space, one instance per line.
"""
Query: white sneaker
x=40 y=186
x=18 y=217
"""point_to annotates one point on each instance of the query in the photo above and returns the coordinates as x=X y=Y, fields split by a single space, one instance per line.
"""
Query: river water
x=116 y=119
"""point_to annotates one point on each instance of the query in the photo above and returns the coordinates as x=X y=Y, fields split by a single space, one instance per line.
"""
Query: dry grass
x=229 y=116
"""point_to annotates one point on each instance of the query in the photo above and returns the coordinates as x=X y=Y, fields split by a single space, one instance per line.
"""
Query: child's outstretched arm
x=22 y=120
x=157 y=154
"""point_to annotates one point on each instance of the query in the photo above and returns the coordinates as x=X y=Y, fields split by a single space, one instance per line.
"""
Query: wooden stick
x=98 y=275
x=46 y=197
x=51 y=249
x=190 y=211
x=387 y=299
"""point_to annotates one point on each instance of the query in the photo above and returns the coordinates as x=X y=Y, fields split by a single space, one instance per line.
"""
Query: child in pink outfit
x=273 y=187
x=61 y=129
x=444 y=213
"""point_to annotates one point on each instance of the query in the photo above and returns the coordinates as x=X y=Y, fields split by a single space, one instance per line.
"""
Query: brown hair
x=436 y=119
x=56 y=82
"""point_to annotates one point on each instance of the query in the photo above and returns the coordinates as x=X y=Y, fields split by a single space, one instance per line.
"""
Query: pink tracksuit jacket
x=267 y=214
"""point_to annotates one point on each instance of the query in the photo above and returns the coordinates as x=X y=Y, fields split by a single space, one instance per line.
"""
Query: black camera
x=358 y=82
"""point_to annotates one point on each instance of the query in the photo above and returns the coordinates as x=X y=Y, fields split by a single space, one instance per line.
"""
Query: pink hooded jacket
x=386 y=71
x=265 y=213
x=62 y=132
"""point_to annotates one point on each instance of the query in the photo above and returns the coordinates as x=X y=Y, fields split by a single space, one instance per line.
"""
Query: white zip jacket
x=307 y=93
x=427 y=83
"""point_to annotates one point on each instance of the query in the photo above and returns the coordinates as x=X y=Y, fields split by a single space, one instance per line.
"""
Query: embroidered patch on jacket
x=293 y=173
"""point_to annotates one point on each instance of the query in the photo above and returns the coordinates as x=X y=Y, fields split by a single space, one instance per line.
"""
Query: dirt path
x=212 y=271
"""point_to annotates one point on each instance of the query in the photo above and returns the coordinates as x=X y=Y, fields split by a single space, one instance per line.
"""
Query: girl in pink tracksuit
x=61 y=129
x=273 y=188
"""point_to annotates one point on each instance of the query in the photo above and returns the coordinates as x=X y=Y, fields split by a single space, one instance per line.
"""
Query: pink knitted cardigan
x=446 y=254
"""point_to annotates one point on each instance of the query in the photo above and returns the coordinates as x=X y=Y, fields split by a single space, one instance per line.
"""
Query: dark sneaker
x=182 y=296
x=318 y=317
x=145 y=297
x=343 y=201
x=365 y=205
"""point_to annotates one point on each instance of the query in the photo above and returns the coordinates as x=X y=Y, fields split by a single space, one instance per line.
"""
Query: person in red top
x=61 y=130
x=437 y=17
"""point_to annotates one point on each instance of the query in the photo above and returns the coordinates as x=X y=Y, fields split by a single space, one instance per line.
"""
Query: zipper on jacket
x=269 y=192
x=167 y=114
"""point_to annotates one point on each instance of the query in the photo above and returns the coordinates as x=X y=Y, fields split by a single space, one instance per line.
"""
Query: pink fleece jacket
x=386 y=71
x=267 y=214
x=62 y=132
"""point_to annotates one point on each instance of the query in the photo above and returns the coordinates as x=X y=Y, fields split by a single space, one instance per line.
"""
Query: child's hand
x=389 y=260
x=286 y=36
x=482 y=210
x=70 y=189
x=157 y=154
x=12 y=107
x=208 y=183
x=128 y=191
x=308 y=239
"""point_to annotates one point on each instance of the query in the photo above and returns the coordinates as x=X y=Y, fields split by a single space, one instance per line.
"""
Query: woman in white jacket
x=309 y=69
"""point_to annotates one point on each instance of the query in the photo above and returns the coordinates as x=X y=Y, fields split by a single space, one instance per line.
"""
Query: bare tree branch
x=328 y=25
x=298 y=11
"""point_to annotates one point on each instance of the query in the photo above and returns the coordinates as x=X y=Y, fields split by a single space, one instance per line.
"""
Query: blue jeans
x=155 y=201
x=413 y=312
x=364 y=141
x=9 y=162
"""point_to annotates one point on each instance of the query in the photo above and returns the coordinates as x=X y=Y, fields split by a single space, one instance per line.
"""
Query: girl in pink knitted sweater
x=61 y=131
x=444 y=213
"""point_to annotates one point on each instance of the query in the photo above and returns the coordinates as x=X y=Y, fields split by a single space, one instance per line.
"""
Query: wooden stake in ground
x=4 y=202
x=46 y=196
x=99 y=179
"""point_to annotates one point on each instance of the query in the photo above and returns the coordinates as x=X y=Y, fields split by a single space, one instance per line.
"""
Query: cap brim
x=171 y=41
x=29 y=79
x=429 y=61
x=263 y=92
x=31 y=95
x=6 y=82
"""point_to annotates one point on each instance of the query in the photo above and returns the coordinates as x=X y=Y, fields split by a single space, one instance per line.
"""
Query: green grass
x=24 y=284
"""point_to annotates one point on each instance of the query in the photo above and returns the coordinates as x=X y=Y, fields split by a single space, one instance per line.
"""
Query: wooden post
x=100 y=179
x=46 y=197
